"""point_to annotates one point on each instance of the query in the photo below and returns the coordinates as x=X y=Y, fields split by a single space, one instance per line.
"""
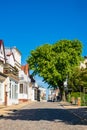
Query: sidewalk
x=5 y=110
x=79 y=111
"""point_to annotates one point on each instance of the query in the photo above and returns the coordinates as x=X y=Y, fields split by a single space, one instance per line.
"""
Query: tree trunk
x=62 y=95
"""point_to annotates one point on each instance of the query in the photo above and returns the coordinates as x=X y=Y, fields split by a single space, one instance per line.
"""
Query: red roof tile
x=1 y=42
x=25 y=68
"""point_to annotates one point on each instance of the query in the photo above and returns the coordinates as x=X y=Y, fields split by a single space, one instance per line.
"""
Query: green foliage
x=78 y=79
x=76 y=95
x=54 y=62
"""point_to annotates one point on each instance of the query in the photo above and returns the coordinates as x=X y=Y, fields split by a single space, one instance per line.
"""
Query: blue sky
x=27 y=24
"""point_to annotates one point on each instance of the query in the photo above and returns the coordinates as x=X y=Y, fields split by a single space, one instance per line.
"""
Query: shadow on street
x=50 y=114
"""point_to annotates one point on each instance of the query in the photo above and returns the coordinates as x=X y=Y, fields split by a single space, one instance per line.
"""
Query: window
x=13 y=92
x=21 y=88
x=25 y=89
x=10 y=90
x=35 y=94
x=16 y=91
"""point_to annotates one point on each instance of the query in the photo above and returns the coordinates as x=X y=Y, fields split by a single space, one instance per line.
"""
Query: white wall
x=24 y=79
x=1 y=93
x=23 y=96
x=10 y=60
x=11 y=85
x=2 y=54
x=1 y=68
x=31 y=94
x=17 y=55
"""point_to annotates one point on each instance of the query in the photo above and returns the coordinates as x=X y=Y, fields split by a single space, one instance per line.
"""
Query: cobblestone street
x=42 y=116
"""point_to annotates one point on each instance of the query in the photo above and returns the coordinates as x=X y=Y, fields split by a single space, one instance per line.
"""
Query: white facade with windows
x=12 y=72
x=15 y=53
x=11 y=90
x=24 y=82
x=14 y=82
x=2 y=76
x=33 y=92
x=42 y=94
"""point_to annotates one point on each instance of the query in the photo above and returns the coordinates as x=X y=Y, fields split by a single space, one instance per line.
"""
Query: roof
x=14 y=47
x=1 y=42
x=85 y=57
x=25 y=68
x=32 y=79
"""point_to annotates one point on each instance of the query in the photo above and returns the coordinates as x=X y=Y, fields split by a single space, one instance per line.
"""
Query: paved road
x=42 y=116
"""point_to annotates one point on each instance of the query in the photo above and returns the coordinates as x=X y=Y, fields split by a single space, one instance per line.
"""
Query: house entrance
x=5 y=96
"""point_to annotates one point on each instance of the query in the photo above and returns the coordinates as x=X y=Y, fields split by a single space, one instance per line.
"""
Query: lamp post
x=65 y=89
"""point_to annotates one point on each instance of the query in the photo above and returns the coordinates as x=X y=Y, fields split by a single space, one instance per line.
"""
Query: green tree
x=78 y=79
x=55 y=62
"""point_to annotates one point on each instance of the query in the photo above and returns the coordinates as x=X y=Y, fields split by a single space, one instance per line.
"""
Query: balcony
x=10 y=71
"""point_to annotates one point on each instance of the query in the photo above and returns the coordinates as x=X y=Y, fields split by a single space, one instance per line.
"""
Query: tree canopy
x=54 y=62
x=78 y=79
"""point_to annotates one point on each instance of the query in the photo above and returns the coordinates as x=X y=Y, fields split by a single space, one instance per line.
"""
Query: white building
x=84 y=63
x=11 y=69
x=42 y=93
x=15 y=83
x=3 y=77
x=24 y=83
x=16 y=54
x=34 y=92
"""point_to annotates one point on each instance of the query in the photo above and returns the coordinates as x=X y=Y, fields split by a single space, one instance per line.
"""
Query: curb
x=77 y=115
x=6 y=110
x=83 y=119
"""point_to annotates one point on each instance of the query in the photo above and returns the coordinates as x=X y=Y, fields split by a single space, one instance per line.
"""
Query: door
x=5 y=96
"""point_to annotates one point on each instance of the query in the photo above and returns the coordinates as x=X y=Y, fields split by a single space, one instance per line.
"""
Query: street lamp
x=65 y=89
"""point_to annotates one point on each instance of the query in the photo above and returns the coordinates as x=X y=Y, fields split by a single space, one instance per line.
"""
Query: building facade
x=24 y=83
x=16 y=85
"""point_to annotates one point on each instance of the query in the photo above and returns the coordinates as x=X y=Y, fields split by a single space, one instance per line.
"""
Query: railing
x=10 y=71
